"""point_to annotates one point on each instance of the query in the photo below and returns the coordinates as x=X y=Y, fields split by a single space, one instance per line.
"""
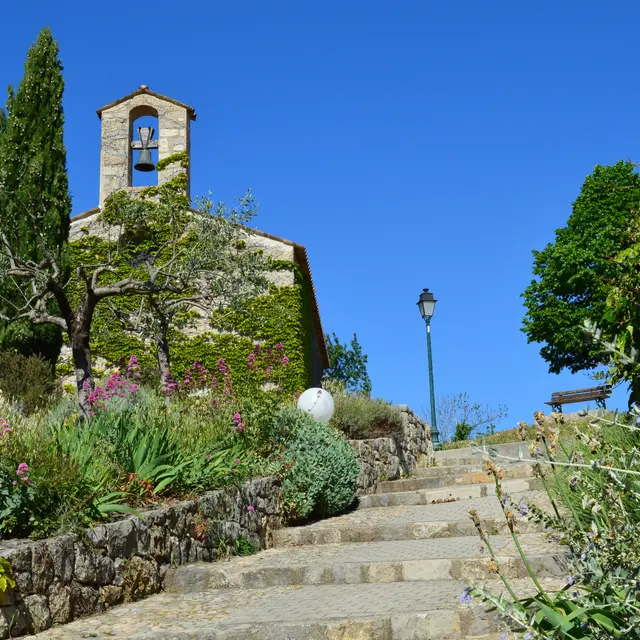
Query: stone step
x=446 y=479
x=402 y=531
x=476 y=467
x=408 y=522
x=399 y=611
x=468 y=455
x=449 y=494
x=376 y=562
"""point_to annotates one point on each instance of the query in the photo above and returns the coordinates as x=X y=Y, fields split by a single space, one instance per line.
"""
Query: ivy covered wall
x=283 y=316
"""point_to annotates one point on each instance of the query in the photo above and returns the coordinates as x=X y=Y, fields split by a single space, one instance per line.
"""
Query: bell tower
x=118 y=146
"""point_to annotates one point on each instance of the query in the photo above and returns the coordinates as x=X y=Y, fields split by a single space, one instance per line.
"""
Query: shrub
x=27 y=382
x=463 y=432
x=360 y=417
x=322 y=468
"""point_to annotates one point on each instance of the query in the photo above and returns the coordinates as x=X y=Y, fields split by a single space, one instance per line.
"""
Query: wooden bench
x=599 y=394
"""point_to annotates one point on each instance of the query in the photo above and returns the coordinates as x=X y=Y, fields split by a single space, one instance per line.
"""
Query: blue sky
x=407 y=144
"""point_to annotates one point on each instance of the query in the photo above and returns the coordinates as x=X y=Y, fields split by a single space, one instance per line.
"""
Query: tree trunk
x=162 y=351
x=79 y=336
x=84 y=373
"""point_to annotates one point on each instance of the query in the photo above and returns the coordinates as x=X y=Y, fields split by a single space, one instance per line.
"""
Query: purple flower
x=524 y=509
x=528 y=636
x=570 y=581
x=251 y=508
x=465 y=596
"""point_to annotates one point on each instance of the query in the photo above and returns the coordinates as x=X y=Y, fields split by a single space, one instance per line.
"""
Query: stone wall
x=70 y=576
x=390 y=458
x=63 y=578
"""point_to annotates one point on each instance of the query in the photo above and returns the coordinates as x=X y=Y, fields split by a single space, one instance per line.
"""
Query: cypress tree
x=33 y=176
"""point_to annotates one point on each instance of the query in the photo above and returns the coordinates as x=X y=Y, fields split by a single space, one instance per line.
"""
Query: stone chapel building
x=295 y=285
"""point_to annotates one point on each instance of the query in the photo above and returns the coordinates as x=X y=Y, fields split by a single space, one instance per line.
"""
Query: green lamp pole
x=427 y=305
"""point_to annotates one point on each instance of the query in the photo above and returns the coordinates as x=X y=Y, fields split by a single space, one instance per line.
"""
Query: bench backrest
x=603 y=390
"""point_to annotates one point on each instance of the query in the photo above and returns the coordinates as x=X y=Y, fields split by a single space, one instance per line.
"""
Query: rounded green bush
x=322 y=468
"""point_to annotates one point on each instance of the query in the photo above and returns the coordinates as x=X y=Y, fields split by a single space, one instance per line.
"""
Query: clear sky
x=407 y=144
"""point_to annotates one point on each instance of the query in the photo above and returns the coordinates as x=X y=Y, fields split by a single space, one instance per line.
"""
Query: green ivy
x=182 y=157
x=283 y=316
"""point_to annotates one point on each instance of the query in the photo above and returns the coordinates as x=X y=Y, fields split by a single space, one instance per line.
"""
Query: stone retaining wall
x=63 y=578
x=390 y=458
x=69 y=576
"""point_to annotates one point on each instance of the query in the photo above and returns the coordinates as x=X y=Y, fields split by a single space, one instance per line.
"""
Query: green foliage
x=321 y=480
x=6 y=579
x=282 y=316
x=348 y=364
x=592 y=481
x=243 y=546
x=361 y=417
x=463 y=432
x=27 y=383
x=617 y=333
x=573 y=275
x=33 y=174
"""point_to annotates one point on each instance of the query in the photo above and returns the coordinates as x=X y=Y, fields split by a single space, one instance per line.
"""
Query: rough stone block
x=38 y=614
x=63 y=555
x=122 y=540
x=84 y=600
x=60 y=603
x=41 y=567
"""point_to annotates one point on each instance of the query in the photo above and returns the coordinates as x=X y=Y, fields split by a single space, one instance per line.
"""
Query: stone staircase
x=393 y=569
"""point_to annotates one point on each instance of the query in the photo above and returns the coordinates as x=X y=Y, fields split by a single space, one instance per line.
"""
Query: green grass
x=513 y=435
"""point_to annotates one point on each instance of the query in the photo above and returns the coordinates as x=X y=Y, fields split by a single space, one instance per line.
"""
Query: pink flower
x=279 y=346
x=134 y=388
x=240 y=427
x=285 y=361
x=23 y=469
x=237 y=461
x=251 y=508
x=269 y=370
x=237 y=417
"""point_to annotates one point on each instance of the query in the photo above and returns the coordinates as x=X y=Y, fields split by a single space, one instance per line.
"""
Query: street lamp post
x=427 y=305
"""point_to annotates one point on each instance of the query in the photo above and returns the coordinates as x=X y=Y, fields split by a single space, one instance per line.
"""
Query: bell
x=145 y=162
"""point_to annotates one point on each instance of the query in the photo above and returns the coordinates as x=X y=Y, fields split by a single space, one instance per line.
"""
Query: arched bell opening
x=144 y=133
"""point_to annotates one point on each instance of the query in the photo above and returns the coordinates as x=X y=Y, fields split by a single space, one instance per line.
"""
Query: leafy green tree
x=617 y=333
x=574 y=275
x=348 y=364
x=33 y=173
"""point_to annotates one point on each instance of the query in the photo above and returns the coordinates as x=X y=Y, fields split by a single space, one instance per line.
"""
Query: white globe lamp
x=318 y=403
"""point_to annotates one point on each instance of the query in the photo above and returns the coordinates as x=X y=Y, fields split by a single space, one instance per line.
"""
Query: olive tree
x=152 y=248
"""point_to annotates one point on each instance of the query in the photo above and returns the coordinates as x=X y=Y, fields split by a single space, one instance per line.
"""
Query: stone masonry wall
x=70 y=576
x=390 y=458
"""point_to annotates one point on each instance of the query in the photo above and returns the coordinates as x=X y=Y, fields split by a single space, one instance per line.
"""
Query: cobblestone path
x=393 y=569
